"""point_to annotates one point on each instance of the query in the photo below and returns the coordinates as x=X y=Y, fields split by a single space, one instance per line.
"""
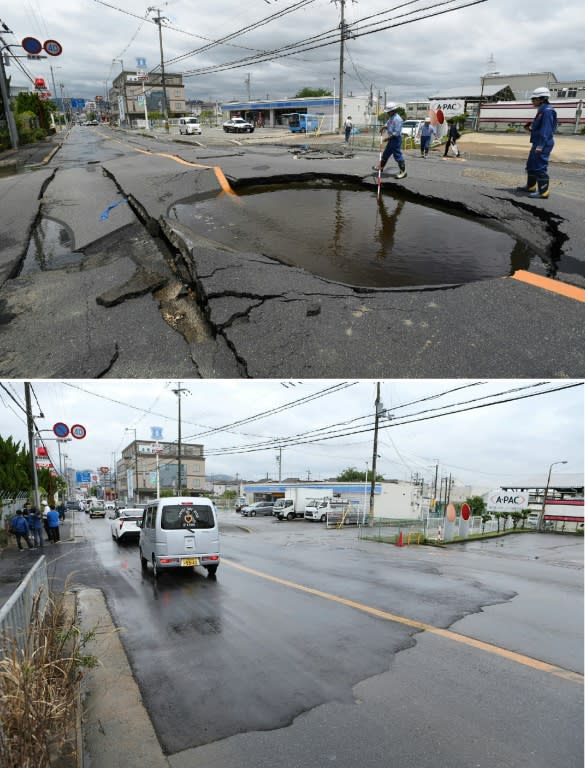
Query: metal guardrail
x=15 y=614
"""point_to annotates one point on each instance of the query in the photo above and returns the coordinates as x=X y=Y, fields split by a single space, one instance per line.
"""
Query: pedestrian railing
x=15 y=614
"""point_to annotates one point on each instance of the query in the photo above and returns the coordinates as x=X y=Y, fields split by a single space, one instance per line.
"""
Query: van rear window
x=176 y=517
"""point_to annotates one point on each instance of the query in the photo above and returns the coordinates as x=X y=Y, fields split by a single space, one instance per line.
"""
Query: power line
x=406 y=420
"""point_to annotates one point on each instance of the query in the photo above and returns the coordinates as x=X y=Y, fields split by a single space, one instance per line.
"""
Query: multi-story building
x=128 y=94
x=136 y=471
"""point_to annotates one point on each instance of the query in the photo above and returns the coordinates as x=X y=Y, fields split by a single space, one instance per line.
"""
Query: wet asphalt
x=147 y=295
x=261 y=666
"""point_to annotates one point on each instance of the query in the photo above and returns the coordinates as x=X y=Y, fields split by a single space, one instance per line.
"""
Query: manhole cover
x=343 y=233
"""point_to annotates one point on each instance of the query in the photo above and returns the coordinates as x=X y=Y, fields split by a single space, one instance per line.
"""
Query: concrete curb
x=116 y=729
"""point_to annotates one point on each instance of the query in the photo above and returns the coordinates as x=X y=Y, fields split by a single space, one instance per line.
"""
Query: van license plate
x=190 y=561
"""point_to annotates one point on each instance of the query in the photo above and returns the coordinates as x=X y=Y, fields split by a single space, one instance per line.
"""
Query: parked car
x=259 y=508
x=72 y=505
x=97 y=511
x=238 y=125
x=123 y=525
x=189 y=125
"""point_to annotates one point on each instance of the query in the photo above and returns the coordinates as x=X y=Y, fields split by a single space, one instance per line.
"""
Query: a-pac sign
x=507 y=501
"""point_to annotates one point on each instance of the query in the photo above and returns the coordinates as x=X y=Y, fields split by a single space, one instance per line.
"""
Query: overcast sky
x=506 y=443
x=412 y=61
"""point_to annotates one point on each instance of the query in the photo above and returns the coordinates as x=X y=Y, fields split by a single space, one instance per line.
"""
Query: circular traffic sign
x=60 y=429
x=465 y=511
x=53 y=48
x=31 y=45
x=78 y=431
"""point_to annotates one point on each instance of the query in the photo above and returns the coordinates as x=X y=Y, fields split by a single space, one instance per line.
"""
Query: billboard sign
x=507 y=501
x=83 y=477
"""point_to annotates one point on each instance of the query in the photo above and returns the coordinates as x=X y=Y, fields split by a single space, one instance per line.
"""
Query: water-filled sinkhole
x=344 y=233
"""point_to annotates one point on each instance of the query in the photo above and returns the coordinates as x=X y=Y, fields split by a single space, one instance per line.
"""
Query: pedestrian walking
x=393 y=140
x=453 y=137
x=347 y=127
x=541 y=130
x=19 y=527
x=53 y=525
x=45 y=510
x=36 y=527
x=61 y=510
x=426 y=133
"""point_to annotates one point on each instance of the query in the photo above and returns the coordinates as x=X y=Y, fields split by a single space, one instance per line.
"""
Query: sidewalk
x=14 y=564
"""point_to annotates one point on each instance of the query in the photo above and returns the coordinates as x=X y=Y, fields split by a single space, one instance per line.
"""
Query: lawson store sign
x=507 y=501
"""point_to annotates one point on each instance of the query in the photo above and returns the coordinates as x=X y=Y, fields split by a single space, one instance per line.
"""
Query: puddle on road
x=50 y=247
x=342 y=233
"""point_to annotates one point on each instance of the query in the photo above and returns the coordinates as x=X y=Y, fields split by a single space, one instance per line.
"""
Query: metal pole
x=158 y=21
x=542 y=511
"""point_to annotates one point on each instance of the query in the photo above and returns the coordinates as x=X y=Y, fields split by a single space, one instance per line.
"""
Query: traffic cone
x=400 y=542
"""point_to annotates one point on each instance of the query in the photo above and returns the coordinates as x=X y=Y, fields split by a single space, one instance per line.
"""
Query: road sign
x=60 y=429
x=157 y=448
x=82 y=477
x=465 y=511
x=31 y=45
x=53 y=48
x=78 y=431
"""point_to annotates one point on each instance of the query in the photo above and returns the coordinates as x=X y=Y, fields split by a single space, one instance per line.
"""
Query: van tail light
x=213 y=557
x=166 y=560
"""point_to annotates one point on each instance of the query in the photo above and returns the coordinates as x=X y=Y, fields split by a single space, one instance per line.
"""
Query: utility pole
x=436 y=478
x=178 y=391
x=341 y=56
x=374 y=455
x=279 y=460
x=30 y=424
x=5 y=91
x=158 y=21
x=247 y=81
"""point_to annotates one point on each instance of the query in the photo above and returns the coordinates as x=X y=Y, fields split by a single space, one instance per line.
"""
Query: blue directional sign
x=31 y=45
x=83 y=477
x=77 y=103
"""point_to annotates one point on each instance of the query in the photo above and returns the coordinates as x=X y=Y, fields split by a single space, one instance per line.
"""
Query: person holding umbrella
x=393 y=140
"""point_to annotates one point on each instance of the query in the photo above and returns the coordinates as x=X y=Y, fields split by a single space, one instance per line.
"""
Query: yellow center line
x=518 y=658
x=546 y=283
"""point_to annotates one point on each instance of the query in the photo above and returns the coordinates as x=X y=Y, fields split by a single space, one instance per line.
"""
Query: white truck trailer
x=296 y=500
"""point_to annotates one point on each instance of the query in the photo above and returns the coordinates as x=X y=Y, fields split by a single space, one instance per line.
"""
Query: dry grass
x=39 y=688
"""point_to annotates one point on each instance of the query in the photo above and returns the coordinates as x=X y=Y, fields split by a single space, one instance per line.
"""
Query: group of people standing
x=28 y=524
x=541 y=130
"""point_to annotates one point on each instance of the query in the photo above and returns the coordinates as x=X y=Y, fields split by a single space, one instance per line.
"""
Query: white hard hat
x=390 y=107
x=540 y=93
x=427 y=119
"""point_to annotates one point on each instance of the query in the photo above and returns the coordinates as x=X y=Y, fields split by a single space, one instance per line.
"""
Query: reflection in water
x=342 y=233
x=50 y=247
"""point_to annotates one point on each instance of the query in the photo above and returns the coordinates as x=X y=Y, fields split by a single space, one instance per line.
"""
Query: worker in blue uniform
x=393 y=140
x=541 y=129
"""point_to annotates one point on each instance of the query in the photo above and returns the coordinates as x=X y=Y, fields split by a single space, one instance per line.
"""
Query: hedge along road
x=140 y=293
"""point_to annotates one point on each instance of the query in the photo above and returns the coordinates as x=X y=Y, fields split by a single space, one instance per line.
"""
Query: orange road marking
x=547 y=284
x=518 y=658
x=219 y=174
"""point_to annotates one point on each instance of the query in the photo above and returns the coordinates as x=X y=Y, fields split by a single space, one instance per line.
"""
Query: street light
x=135 y=489
x=541 y=516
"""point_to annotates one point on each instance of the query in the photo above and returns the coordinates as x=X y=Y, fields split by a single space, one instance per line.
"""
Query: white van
x=179 y=532
x=189 y=125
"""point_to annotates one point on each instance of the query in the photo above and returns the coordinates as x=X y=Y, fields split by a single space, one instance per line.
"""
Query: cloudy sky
x=505 y=443
x=410 y=61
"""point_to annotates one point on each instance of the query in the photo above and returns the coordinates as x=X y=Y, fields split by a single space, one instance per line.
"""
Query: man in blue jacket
x=19 y=527
x=541 y=129
x=393 y=140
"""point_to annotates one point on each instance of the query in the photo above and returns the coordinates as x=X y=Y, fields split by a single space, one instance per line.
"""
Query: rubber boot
x=530 y=185
x=542 y=190
x=402 y=173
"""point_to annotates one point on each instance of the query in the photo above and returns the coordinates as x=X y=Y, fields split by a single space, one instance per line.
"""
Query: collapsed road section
x=145 y=281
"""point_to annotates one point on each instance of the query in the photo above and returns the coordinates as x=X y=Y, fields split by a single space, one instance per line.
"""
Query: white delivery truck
x=333 y=510
x=295 y=501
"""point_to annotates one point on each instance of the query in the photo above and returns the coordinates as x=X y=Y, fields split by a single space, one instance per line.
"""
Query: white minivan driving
x=179 y=532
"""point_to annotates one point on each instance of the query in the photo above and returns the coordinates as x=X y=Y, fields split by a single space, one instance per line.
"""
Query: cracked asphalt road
x=142 y=295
